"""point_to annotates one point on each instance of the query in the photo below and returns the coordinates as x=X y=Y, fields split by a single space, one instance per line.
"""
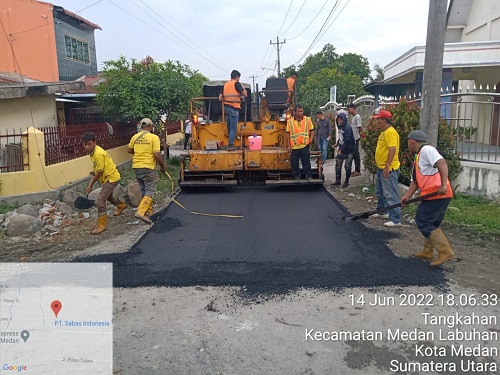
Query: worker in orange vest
x=430 y=174
x=299 y=133
x=290 y=81
x=232 y=95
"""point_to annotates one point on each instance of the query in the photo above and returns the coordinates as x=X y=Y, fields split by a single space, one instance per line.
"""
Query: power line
x=316 y=38
x=63 y=18
x=180 y=32
x=16 y=62
x=278 y=51
x=312 y=21
x=166 y=36
x=324 y=32
x=291 y=23
x=286 y=15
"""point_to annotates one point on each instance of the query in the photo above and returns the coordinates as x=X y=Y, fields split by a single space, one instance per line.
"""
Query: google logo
x=19 y=368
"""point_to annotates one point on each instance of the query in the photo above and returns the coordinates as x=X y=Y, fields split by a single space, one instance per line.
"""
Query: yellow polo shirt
x=387 y=139
x=145 y=144
x=103 y=163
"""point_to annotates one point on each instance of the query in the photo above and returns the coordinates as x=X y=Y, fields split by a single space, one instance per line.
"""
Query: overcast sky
x=217 y=36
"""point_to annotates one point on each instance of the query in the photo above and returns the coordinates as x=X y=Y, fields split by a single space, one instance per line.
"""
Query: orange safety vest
x=291 y=86
x=430 y=184
x=299 y=131
x=230 y=96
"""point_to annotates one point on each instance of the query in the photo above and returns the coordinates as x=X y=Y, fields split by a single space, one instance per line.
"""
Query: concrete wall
x=35 y=50
x=17 y=113
x=483 y=22
x=40 y=178
x=479 y=180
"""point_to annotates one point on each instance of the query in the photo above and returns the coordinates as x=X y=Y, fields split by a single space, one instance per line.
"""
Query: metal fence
x=12 y=155
x=63 y=144
x=474 y=116
x=475 y=120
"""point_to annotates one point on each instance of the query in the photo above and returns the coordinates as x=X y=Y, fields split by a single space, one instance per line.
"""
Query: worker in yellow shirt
x=145 y=146
x=104 y=170
x=387 y=160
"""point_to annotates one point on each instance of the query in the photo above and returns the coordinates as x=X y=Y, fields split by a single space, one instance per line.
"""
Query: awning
x=68 y=100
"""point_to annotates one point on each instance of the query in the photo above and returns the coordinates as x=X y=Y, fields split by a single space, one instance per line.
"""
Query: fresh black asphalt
x=287 y=239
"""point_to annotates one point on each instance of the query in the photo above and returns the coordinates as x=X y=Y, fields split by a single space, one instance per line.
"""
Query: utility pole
x=278 y=50
x=253 y=82
x=430 y=103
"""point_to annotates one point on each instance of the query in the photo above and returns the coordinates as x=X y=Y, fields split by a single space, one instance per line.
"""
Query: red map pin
x=56 y=306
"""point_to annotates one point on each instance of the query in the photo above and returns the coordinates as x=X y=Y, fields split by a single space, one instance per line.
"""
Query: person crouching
x=104 y=170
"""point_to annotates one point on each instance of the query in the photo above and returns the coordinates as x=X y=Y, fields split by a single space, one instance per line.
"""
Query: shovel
x=83 y=203
x=366 y=215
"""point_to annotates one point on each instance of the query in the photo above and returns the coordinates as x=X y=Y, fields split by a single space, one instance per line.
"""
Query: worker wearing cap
x=232 y=94
x=430 y=174
x=386 y=158
x=104 y=170
x=145 y=146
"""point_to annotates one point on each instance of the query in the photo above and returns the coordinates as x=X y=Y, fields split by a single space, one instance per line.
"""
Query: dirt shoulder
x=476 y=259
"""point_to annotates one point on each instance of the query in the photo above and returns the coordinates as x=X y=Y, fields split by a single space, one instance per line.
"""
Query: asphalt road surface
x=287 y=239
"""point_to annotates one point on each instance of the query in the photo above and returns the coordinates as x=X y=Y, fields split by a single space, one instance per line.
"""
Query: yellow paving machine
x=260 y=155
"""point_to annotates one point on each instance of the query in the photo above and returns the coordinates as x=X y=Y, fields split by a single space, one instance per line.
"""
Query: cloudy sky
x=217 y=36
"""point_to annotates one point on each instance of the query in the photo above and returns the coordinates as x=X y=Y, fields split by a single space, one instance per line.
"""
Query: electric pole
x=430 y=103
x=253 y=82
x=278 y=50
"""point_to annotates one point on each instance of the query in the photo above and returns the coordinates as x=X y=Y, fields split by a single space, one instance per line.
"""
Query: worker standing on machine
x=231 y=96
x=291 y=82
x=299 y=133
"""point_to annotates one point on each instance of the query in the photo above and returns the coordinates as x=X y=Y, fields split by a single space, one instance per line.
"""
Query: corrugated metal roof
x=78 y=17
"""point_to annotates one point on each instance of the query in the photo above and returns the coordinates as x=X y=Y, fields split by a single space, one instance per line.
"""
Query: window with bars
x=76 y=49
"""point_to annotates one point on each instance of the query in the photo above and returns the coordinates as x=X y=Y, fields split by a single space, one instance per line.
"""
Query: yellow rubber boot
x=119 y=208
x=428 y=252
x=149 y=212
x=143 y=207
x=440 y=242
x=102 y=221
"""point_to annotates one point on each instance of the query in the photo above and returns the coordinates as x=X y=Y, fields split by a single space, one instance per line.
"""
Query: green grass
x=478 y=213
x=164 y=186
x=472 y=213
x=4 y=209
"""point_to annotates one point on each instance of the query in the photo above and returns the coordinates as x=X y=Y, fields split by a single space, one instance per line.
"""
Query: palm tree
x=380 y=72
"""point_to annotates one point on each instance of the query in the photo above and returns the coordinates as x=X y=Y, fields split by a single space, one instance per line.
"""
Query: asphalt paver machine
x=260 y=155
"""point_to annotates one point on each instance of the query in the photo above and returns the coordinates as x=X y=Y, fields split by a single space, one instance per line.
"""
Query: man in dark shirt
x=323 y=134
x=345 y=152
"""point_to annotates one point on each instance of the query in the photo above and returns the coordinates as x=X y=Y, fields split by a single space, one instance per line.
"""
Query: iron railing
x=474 y=116
x=475 y=120
x=12 y=154
x=63 y=144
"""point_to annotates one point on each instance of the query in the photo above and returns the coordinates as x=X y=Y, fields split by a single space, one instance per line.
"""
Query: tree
x=405 y=119
x=379 y=71
x=288 y=70
x=315 y=92
x=324 y=59
x=353 y=63
x=135 y=89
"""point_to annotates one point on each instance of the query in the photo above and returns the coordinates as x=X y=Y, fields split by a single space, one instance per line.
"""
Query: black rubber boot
x=338 y=176
x=347 y=177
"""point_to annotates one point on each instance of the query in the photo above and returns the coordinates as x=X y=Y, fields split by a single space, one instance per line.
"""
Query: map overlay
x=56 y=318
